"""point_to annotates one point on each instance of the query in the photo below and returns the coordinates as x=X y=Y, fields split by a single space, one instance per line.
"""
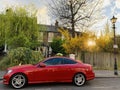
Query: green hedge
x=20 y=55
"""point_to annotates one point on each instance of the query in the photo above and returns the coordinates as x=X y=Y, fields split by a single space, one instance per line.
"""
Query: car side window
x=53 y=61
x=68 y=61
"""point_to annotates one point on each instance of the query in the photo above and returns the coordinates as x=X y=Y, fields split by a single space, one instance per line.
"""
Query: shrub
x=57 y=47
x=20 y=55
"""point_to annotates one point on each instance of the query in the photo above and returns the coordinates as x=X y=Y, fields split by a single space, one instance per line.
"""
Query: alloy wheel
x=18 y=81
x=79 y=79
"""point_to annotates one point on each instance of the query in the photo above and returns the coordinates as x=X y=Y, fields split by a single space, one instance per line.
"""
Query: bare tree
x=76 y=13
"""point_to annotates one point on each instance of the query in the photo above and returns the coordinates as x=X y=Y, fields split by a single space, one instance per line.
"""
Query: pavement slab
x=106 y=73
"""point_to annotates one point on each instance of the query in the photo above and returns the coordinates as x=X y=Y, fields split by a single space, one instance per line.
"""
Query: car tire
x=18 y=81
x=79 y=79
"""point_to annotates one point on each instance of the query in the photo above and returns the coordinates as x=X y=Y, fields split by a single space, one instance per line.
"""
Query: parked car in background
x=53 y=69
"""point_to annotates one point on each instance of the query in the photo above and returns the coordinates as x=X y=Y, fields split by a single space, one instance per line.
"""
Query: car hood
x=28 y=66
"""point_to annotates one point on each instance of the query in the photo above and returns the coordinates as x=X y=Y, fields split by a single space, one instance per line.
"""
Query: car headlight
x=9 y=71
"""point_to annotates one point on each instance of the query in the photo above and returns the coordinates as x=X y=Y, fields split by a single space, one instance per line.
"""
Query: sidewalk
x=98 y=74
x=106 y=74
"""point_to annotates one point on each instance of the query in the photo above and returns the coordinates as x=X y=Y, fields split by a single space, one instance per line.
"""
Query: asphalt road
x=96 y=84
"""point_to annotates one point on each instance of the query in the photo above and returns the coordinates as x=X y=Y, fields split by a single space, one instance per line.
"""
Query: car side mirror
x=42 y=65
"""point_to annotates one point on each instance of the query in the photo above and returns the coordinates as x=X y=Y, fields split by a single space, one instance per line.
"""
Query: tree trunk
x=72 y=20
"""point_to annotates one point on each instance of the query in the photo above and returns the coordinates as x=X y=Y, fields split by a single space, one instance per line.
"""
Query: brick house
x=47 y=33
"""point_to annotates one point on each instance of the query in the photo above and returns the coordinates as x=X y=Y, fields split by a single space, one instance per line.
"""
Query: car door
x=64 y=70
x=48 y=73
x=67 y=69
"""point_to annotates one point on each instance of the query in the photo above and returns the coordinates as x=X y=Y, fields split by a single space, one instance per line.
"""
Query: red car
x=54 y=69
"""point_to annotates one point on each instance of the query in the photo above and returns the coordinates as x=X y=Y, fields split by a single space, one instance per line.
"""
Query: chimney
x=56 y=23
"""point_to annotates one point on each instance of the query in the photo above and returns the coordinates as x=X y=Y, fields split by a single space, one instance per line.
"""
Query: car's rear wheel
x=79 y=79
x=18 y=81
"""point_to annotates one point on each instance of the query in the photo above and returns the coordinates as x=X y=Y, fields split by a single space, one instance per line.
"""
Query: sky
x=111 y=7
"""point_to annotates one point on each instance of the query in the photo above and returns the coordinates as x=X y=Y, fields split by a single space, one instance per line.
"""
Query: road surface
x=96 y=84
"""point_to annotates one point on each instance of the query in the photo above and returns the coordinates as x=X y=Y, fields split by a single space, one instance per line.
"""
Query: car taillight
x=91 y=68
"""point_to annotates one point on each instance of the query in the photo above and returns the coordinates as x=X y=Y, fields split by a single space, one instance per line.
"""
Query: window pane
x=68 y=61
x=50 y=36
x=53 y=61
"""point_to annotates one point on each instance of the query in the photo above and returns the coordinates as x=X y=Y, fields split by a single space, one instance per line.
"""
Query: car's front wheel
x=18 y=81
x=79 y=79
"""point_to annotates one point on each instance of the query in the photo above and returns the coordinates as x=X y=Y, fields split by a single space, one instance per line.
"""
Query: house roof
x=48 y=28
x=52 y=28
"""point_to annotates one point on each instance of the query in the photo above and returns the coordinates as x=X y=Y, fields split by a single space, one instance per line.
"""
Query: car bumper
x=90 y=76
x=6 y=79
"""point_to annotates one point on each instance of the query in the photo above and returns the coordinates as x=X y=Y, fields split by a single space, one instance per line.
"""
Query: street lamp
x=113 y=20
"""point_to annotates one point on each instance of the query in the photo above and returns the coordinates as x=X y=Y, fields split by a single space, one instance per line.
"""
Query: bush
x=57 y=47
x=20 y=55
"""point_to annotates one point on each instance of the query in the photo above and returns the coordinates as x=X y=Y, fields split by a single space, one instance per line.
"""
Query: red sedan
x=54 y=69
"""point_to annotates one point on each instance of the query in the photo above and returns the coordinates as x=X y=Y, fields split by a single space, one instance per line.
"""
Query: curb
x=108 y=77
